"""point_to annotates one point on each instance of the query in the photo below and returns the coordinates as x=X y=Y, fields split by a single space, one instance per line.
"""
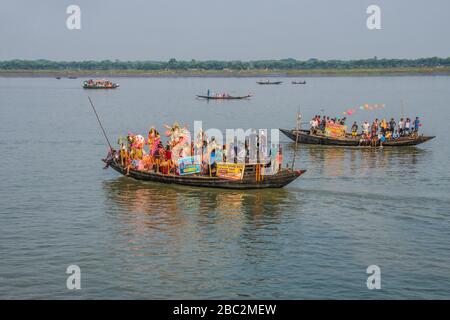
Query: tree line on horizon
x=173 y=64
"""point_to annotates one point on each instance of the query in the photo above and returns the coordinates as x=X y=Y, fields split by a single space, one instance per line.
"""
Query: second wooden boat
x=306 y=137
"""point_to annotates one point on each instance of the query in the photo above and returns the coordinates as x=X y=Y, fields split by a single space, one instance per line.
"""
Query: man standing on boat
x=366 y=127
x=392 y=125
x=416 y=125
x=354 y=129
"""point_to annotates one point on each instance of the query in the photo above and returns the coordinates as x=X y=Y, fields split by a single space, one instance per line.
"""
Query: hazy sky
x=223 y=30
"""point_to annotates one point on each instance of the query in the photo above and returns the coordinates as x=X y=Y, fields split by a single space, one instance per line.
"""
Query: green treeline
x=173 y=64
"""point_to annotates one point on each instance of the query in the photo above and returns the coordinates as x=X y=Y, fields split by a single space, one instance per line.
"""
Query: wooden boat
x=269 y=82
x=279 y=180
x=99 y=84
x=298 y=82
x=306 y=137
x=224 y=97
x=72 y=77
x=58 y=78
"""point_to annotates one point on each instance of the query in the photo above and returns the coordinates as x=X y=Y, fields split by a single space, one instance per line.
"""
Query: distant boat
x=269 y=82
x=298 y=82
x=224 y=97
x=58 y=78
x=99 y=84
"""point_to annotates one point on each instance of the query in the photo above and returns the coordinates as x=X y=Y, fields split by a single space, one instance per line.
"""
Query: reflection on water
x=164 y=207
x=197 y=229
x=350 y=161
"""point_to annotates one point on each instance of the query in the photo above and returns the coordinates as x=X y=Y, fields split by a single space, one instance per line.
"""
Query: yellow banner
x=335 y=130
x=231 y=171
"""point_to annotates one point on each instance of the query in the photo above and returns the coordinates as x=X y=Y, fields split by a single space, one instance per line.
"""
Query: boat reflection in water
x=174 y=209
x=328 y=162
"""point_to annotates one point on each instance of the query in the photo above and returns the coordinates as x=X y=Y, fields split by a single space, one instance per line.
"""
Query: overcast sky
x=223 y=30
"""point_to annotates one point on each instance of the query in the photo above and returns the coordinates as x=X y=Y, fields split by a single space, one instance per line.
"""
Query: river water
x=313 y=239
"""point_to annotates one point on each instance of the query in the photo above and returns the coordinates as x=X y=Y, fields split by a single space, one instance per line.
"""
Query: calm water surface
x=313 y=239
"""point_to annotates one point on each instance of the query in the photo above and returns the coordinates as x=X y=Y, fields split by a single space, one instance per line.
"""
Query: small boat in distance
x=269 y=82
x=72 y=77
x=58 y=78
x=298 y=82
x=223 y=97
x=99 y=84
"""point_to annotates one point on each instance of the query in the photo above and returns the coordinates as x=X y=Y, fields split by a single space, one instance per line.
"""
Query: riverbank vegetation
x=234 y=68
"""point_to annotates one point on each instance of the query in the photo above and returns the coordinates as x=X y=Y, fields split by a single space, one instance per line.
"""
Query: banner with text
x=230 y=171
x=334 y=130
x=189 y=165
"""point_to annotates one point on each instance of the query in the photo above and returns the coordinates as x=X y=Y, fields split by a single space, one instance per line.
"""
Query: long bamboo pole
x=100 y=123
x=296 y=138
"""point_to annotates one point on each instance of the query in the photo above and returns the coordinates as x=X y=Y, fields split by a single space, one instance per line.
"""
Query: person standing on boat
x=407 y=126
x=416 y=125
x=374 y=128
x=392 y=125
x=273 y=158
x=279 y=158
x=354 y=129
x=365 y=127
x=382 y=139
x=323 y=123
x=401 y=126
x=168 y=156
x=383 y=126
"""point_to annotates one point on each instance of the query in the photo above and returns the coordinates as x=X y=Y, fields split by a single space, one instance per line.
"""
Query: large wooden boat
x=269 y=82
x=306 y=137
x=249 y=181
x=226 y=97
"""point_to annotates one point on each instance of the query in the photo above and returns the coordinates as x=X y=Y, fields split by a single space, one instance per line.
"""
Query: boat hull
x=269 y=83
x=304 y=136
x=92 y=87
x=248 y=182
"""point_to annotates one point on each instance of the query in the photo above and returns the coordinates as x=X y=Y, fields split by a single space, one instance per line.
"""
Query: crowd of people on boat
x=100 y=83
x=375 y=133
x=152 y=155
x=320 y=122
x=217 y=95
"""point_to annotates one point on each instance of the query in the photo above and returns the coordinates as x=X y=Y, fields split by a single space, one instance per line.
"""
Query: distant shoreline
x=226 y=73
